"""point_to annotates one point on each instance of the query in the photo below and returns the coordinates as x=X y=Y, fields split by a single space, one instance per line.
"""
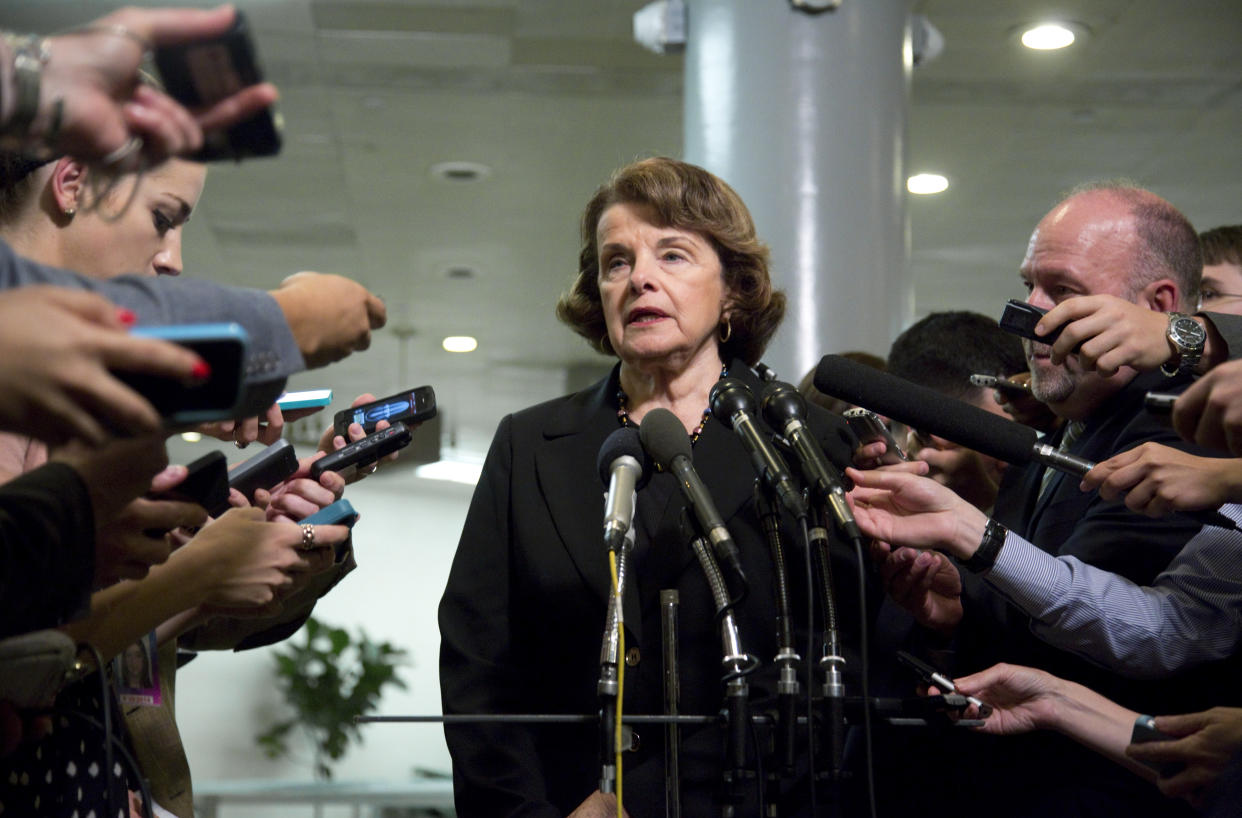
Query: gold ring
x=308 y=536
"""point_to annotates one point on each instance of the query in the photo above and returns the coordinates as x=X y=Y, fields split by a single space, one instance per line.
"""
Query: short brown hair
x=685 y=197
x=1222 y=245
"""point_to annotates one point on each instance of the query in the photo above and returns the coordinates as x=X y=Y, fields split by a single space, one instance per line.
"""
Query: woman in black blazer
x=672 y=281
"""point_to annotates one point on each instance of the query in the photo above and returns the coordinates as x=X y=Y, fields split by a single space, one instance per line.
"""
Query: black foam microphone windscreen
x=621 y=442
x=664 y=437
x=925 y=409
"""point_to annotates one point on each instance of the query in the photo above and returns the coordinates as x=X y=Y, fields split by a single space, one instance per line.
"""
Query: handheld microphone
x=955 y=420
x=665 y=439
x=931 y=411
x=784 y=409
x=733 y=403
x=625 y=468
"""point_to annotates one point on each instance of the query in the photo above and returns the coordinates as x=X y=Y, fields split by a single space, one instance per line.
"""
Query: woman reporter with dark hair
x=672 y=281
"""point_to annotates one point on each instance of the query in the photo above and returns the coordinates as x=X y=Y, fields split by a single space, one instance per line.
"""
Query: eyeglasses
x=1215 y=296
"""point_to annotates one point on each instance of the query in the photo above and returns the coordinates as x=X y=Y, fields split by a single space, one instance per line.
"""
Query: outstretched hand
x=1157 y=479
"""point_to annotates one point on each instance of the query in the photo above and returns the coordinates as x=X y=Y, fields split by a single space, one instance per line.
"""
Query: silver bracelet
x=30 y=54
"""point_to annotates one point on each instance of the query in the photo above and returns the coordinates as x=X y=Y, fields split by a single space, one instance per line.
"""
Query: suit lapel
x=567 y=479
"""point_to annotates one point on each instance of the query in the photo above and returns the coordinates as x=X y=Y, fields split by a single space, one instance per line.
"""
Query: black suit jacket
x=523 y=613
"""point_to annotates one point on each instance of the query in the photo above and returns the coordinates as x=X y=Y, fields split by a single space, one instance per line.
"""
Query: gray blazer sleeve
x=274 y=352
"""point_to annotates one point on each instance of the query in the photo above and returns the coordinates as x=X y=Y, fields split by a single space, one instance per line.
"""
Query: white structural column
x=805 y=115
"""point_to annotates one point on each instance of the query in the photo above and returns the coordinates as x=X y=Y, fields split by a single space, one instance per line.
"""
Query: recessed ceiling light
x=1049 y=36
x=191 y=437
x=927 y=183
x=460 y=171
x=460 y=343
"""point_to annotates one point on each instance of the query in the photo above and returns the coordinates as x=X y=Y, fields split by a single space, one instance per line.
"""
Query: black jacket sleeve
x=47 y=549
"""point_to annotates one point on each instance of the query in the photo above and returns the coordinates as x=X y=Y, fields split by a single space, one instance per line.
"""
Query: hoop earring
x=69 y=211
x=728 y=331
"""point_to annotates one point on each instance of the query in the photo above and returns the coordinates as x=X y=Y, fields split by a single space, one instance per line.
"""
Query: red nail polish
x=201 y=371
x=126 y=317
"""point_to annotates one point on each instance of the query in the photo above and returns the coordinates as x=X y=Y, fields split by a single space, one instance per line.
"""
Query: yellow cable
x=612 y=564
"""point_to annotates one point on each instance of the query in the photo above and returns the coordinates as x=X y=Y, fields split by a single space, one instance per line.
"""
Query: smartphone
x=1159 y=403
x=1145 y=731
x=868 y=428
x=364 y=452
x=339 y=513
x=265 y=469
x=310 y=399
x=1020 y=318
x=223 y=347
x=207 y=484
x=200 y=73
x=410 y=406
x=1003 y=384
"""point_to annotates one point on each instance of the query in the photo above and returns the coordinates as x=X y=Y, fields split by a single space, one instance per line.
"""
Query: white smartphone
x=310 y=399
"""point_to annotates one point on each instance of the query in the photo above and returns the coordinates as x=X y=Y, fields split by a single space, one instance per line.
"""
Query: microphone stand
x=736 y=664
x=831 y=662
x=787 y=686
x=670 y=601
x=608 y=686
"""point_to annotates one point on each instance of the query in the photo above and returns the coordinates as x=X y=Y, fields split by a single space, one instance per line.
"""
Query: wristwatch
x=1187 y=337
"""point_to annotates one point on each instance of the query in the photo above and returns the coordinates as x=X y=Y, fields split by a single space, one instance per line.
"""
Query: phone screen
x=414 y=405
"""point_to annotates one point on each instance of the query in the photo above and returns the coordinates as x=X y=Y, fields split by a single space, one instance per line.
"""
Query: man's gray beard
x=1051 y=385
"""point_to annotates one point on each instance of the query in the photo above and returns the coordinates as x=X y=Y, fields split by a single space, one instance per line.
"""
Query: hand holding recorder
x=90 y=78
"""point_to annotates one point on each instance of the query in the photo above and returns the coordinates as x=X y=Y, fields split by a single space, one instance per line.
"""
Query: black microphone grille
x=664 y=437
x=621 y=442
x=925 y=409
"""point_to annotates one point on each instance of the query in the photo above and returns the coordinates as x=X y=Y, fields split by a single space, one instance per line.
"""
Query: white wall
x=404 y=544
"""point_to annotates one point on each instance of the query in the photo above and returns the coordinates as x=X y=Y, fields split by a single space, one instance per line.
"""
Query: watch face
x=1186 y=332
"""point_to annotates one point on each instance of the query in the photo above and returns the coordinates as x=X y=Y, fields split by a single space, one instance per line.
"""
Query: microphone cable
x=868 y=755
x=612 y=567
x=810 y=671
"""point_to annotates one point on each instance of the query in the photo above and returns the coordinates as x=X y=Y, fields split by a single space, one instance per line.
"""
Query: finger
x=169 y=478
x=356 y=432
x=150 y=356
x=166 y=514
x=274 y=428
x=173 y=26
x=237 y=499
x=1183 y=724
x=247 y=432
x=88 y=306
x=242 y=105
x=333 y=482
x=377 y=313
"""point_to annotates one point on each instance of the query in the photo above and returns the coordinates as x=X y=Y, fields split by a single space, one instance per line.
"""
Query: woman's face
x=137 y=226
x=662 y=288
x=133 y=662
x=1221 y=289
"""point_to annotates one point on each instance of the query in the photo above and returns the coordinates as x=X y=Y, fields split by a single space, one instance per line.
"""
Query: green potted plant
x=329 y=680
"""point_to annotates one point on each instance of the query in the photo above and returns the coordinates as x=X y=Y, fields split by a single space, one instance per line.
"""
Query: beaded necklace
x=624 y=416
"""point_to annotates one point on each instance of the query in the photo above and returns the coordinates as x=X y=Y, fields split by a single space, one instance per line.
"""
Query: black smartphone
x=1020 y=318
x=207 y=484
x=1159 y=403
x=223 y=347
x=1145 y=731
x=364 y=452
x=265 y=469
x=1003 y=384
x=203 y=72
x=410 y=406
x=868 y=428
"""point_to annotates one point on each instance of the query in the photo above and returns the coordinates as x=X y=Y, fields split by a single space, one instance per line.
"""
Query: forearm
x=1096 y=722
x=125 y=612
